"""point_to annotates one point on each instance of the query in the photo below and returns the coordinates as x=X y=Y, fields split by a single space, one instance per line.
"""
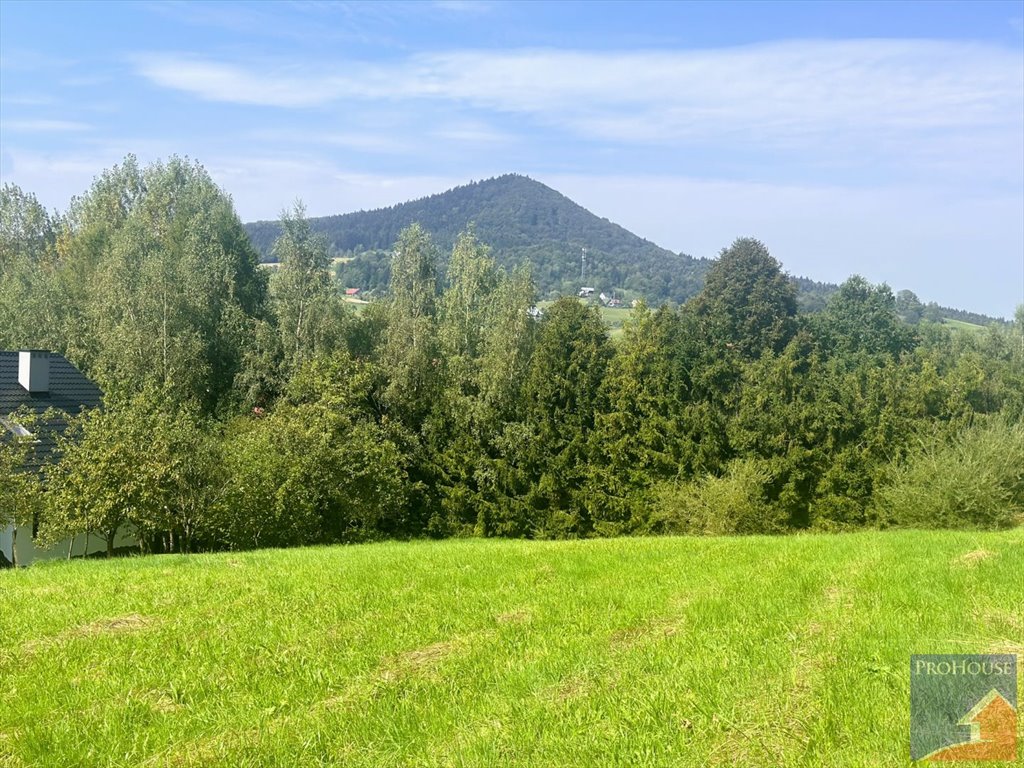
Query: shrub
x=734 y=503
x=974 y=480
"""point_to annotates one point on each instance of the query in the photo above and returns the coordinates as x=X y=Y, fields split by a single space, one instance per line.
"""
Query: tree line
x=247 y=410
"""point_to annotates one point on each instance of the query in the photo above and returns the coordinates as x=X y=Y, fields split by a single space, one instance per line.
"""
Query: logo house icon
x=993 y=724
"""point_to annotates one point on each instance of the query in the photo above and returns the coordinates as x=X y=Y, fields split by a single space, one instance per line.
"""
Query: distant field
x=961 y=325
x=630 y=652
x=335 y=261
x=613 y=317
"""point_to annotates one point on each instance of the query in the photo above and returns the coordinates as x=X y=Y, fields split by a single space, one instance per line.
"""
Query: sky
x=884 y=139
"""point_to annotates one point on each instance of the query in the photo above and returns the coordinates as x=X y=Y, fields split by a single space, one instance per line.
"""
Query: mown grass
x=662 y=651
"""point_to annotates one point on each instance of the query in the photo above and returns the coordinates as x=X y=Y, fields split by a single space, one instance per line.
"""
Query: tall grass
x=752 y=651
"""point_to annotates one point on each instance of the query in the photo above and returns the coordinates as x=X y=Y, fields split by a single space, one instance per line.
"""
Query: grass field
x=630 y=652
x=960 y=325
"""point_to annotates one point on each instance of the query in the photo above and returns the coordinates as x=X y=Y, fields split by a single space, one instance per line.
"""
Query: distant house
x=604 y=297
x=352 y=291
x=39 y=391
x=586 y=292
x=535 y=312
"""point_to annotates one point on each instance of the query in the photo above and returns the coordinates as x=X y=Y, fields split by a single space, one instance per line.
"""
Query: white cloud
x=783 y=94
x=365 y=141
x=473 y=132
x=214 y=81
x=27 y=100
x=773 y=89
x=465 y=6
x=44 y=126
x=844 y=103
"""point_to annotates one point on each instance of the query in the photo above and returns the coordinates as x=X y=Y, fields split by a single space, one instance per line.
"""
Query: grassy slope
x=754 y=651
x=960 y=325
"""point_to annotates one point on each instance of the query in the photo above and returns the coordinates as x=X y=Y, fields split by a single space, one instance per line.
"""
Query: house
x=586 y=292
x=43 y=390
x=352 y=292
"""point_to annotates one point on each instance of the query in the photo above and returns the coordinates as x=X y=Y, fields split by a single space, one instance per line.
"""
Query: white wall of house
x=7 y=542
x=25 y=551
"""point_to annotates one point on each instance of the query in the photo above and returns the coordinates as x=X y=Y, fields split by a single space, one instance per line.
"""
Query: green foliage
x=862 y=318
x=27 y=230
x=747 y=303
x=310 y=314
x=561 y=397
x=640 y=430
x=151 y=282
x=239 y=417
x=909 y=307
x=317 y=469
x=973 y=480
x=411 y=353
x=137 y=467
x=19 y=490
x=735 y=503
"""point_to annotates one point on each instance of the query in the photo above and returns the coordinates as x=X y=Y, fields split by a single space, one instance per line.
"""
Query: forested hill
x=523 y=221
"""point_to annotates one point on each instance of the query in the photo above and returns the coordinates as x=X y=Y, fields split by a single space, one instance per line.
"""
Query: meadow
x=755 y=651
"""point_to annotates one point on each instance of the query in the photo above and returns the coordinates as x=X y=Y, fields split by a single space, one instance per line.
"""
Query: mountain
x=523 y=221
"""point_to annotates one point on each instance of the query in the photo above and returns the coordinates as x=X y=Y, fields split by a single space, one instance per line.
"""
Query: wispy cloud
x=27 y=100
x=44 y=126
x=473 y=132
x=362 y=141
x=781 y=92
x=213 y=81
x=865 y=93
x=465 y=6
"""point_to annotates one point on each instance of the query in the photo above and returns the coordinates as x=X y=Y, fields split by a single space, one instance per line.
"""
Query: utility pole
x=583 y=266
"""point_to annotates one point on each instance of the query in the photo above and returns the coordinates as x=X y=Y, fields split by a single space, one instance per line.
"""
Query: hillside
x=523 y=221
x=785 y=651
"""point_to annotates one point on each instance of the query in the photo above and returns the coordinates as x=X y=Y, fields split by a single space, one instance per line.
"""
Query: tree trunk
x=110 y=543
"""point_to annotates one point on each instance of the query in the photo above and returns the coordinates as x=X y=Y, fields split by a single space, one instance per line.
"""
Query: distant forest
x=526 y=222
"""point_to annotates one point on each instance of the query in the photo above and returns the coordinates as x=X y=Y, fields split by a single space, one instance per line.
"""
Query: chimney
x=34 y=370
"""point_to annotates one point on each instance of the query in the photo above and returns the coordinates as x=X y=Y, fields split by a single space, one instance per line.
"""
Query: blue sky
x=879 y=138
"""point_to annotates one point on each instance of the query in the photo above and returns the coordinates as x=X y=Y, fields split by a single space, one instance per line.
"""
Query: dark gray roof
x=70 y=393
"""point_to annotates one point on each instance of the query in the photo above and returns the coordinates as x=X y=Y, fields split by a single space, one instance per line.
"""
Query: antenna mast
x=583 y=266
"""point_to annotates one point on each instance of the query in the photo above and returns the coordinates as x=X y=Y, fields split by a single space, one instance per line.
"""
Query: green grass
x=960 y=325
x=631 y=652
x=613 y=317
